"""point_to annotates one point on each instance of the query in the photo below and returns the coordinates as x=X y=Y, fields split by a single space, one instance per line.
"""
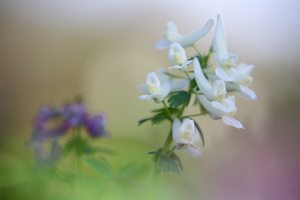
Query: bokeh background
x=54 y=50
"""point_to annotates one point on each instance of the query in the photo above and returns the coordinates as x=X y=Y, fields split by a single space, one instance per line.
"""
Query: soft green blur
x=103 y=52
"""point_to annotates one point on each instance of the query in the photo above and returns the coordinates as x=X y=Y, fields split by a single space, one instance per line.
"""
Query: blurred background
x=54 y=50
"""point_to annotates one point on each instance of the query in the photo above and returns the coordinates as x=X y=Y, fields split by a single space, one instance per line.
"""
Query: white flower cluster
x=215 y=81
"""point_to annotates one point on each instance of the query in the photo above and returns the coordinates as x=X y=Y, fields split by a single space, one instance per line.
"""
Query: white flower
x=177 y=57
x=237 y=78
x=214 y=98
x=186 y=135
x=242 y=81
x=224 y=58
x=215 y=91
x=188 y=40
x=224 y=110
x=157 y=86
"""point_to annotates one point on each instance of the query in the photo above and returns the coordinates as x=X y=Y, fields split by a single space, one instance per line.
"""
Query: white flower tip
x=247 y=93
x=144 y=97
x=220 y=21
x=194 y=150
x=230 y=121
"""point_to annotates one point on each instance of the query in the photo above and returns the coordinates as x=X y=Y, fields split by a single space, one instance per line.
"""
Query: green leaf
x=169 y=164
x=141 y=121
x=79 y=145
x=101 y=166
x=128 y=169
x=161 y=114
x=179 y=98
x=159 y=117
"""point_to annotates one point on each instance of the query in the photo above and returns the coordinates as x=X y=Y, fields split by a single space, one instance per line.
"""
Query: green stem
x=78 y=153
x=167 y=143
x=166 y=108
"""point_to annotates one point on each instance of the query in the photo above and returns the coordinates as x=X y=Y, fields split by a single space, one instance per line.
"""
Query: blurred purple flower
x=49 y=123
x=95 y=126
x=75 y=114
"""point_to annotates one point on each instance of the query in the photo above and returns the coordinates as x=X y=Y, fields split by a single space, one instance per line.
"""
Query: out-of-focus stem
x=167 y=143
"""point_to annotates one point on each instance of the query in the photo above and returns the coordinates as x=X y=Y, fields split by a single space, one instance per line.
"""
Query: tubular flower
x=172 y=35
x=185 y=135
x=215 y=91
x=49 y=123
x=157 y=86
x=237 y=77
x=213 y=98
x=177 y=57
x=224 y=59
x=242 y=81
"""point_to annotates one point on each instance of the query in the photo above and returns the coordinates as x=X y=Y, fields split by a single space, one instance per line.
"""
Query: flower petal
x=193 y=150
x=218 y=109
x=226 y=75
x=201 y=80
x=177 y=55
x=176 y=129
x=190 y=39
x=230 y=121
x=219 y=43
x=247 y=93
x=227 y=105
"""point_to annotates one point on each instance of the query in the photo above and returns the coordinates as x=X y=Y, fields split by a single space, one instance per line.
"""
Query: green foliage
x=169 y=164
x=160 y=115
x=127 y=170
x=193 y=85
x=101 y=166
x=79 y=145
x=179 y=98
x=82 y=146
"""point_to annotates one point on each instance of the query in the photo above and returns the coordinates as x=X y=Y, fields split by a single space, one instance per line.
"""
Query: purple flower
x=75 y=114
x=49 y=123
x=95 y=126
